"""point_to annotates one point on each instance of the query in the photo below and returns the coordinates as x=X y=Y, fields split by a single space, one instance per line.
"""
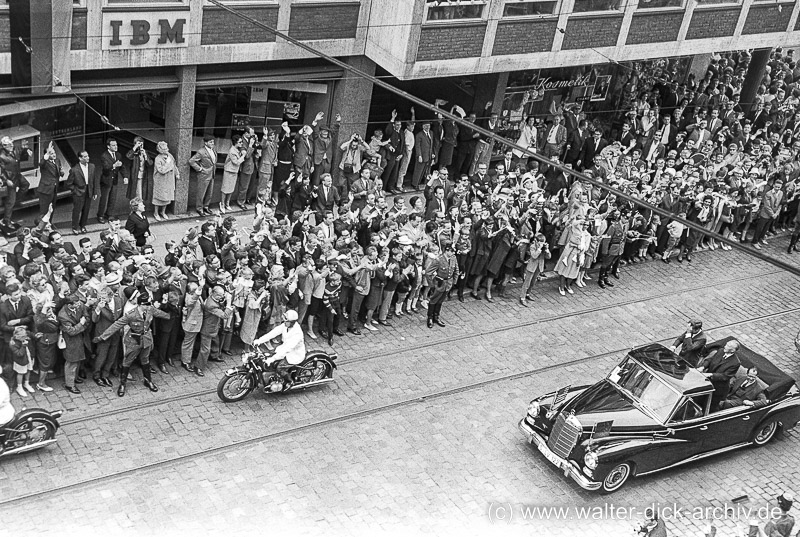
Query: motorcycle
x=32 y=428
x=238 y=382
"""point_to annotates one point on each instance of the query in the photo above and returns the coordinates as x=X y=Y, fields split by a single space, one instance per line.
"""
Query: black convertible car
x=653 y=412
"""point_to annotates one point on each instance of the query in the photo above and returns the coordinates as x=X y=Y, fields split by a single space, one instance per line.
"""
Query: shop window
x=585 y=6
x=439 y=10
x=524 y=9
x=652 y=4
x=713 y=2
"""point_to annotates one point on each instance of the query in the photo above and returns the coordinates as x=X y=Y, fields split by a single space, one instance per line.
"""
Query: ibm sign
x=141 y=30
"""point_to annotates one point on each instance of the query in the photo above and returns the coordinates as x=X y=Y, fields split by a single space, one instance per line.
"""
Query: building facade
x=181 y=69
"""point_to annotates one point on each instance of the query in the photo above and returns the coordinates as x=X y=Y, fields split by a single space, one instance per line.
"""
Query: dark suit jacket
x=138 y=226
x=721 y=370
x=24 y=313
x=752 y=392
x=136 y=163
x=423 y=146
x=50 y=175
x=324 y=203
x=575 y=142
x=588 y=151
x=433 y=207
x=81 y=185
x=207 y=246
x=108 y=174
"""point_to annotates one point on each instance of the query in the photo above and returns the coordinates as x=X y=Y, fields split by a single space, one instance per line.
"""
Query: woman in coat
x=72 y=319
x=137 y=223
x=481 y=250
x=165 y=176
x=46 y=339
x=233 y=162
x=573 y=256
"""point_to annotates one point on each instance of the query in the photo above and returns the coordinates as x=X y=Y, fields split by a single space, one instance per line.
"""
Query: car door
x=728 y=427
x=686 y=426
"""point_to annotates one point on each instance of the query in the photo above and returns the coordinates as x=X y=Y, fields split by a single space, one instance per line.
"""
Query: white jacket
x=293 y=347
x=6 y=408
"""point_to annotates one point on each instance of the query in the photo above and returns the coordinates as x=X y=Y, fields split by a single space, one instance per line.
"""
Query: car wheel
x=617 y=477
x=765 y=432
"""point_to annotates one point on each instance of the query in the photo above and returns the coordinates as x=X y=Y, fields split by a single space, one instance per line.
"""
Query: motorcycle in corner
x=238 y=382
x=31 y=428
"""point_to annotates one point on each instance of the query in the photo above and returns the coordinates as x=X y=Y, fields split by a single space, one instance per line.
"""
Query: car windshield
x=648 y=389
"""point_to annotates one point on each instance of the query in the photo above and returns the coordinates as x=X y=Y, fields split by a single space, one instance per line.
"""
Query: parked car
x=651 y=413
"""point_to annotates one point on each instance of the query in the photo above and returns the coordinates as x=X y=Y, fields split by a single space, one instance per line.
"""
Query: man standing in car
x=690 y=345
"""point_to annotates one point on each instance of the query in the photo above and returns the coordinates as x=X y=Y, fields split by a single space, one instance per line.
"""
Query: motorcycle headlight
x=246 y=358
x=590 y=460
x=534 y=408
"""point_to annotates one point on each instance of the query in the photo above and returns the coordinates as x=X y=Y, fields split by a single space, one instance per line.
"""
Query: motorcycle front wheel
x=232 y=388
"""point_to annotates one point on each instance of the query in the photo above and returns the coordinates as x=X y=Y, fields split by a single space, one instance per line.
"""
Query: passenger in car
x=690 y=344
x=720 y=368
x=745 y=391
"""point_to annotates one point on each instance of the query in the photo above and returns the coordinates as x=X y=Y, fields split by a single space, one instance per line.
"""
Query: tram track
x=419 y=346
x=349 y=416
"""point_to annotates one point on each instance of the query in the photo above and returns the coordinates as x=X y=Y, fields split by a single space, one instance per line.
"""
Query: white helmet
x=290 y=315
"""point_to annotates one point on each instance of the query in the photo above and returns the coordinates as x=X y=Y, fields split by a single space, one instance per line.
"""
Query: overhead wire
x=524 y=150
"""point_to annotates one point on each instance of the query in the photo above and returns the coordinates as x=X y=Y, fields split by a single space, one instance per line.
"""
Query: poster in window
x=601 y=88
x=291 y=111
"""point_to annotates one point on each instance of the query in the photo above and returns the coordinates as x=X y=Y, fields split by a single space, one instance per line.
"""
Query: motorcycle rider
x=291 y=351
x=7 y=411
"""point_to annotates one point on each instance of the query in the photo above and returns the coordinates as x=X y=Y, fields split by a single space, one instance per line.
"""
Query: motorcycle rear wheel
x=235 y=387
x=322 y=369
x=27 y=434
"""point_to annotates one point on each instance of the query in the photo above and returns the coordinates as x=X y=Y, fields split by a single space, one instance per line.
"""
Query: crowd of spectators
x=333 y=237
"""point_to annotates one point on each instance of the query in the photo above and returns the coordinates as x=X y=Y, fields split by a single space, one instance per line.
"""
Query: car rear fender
x=786 y=411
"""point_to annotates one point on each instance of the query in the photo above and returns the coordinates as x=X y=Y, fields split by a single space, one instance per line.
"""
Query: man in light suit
x=107 y=311
x=247 y=167
x=303 y=160
x=82 y=181
x=719 y=368
x=204 y=162
x=556 y=139
x=50 y=174
x=423 y=147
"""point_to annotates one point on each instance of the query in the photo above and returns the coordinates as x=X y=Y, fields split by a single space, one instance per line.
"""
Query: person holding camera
x=350 y=163
x=140 y=160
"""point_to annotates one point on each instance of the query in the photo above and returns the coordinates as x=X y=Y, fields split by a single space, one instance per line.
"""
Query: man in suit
x=82 y=181
x=423 y=148
x=437 y=204
x=56 y=241
x=745 y=391
x=207 y=242
x=16 y=311
x=555 y=139
x=323 y=148
x=204 y=162
x=111 y=169
x=591 y=147
x=394 y=152
x=719 y=368
x=699 y=133
x=442 y=272
x=691 y=344
x=575 y=141
x=327 y=197
x=247 y=167
x=107 y=311
x=303 y=160
x=49 y=175
x=10 y=158
x=217 y=308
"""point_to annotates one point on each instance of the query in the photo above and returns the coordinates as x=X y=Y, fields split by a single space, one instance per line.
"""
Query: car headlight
x=590 y=460
x=534 y=408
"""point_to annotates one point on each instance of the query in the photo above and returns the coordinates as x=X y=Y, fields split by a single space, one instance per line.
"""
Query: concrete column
x=563 y=17
x=630 y=9
x=737 y=32
x=758 y=65
x=51 y=32
x=489 y=88
x=700 y=66
x=492 y=14
x=352 y=96
x=687 y=20
x=179 y=123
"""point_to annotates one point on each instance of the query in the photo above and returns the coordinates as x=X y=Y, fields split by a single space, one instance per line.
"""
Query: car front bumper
x=570 y=469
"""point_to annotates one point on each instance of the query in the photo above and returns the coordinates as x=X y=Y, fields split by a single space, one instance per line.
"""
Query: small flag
x=560 y=395
x=602 y=429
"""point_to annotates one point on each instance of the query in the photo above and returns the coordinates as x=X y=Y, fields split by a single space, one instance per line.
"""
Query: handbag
x=62 y=344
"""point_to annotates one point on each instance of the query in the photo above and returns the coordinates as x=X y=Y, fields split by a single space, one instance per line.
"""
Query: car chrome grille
x=565 y=434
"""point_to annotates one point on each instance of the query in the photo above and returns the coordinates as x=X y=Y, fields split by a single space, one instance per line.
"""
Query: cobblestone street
x=418 y=433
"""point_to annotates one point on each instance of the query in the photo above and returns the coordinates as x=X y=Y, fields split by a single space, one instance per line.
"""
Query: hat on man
x=403 y=240
x=113 y=278
x=144 y=299
x=696 y=323
x=785 y=500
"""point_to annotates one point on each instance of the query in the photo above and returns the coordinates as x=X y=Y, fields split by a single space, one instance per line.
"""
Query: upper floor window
x=585 y=6
x=439 y=10
x=652 y=4
x=523 y=8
